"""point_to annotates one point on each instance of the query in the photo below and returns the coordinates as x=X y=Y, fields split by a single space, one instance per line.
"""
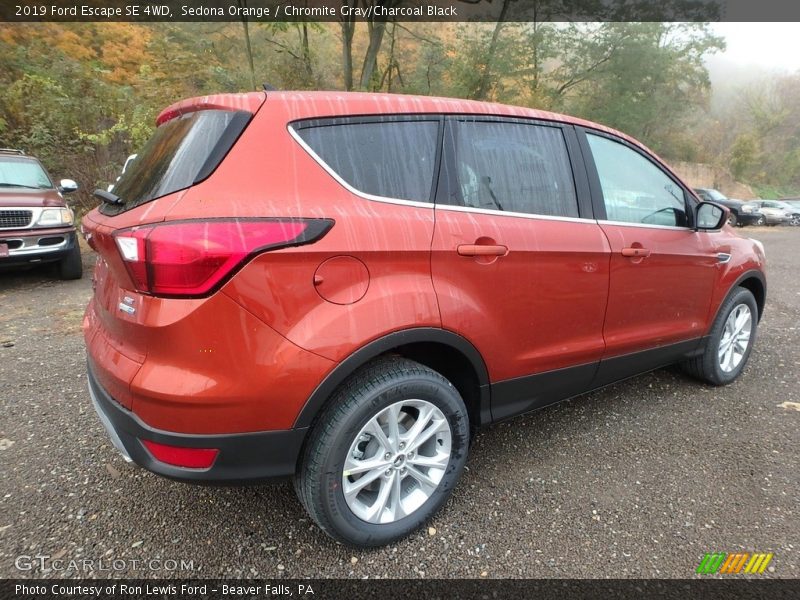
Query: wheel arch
x=444 y=351
x=756 y=283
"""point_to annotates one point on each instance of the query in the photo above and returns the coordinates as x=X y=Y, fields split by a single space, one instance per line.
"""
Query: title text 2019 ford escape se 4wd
x=342 y=287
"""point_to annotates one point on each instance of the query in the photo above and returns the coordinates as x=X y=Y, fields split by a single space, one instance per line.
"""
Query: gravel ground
x=637 y=480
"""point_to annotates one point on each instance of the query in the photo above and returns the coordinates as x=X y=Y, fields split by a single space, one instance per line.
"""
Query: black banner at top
x=397 y=10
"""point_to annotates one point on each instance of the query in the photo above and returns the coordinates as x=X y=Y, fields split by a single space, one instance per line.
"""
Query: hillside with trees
x=83 y=96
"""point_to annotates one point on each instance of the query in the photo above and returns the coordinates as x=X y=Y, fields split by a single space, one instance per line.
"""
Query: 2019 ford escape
x=344 y=287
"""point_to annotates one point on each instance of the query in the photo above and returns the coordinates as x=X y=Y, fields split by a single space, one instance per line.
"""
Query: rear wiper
x=107 y=197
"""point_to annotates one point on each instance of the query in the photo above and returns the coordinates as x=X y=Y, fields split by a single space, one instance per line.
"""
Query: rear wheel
x=385 y=454
x=71 y=267
x=730 y=342
x=732 y=220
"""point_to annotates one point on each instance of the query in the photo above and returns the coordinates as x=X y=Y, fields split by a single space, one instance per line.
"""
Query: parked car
x=794 y=203
x=343 y=287
x=741 y=213
x=36 y=225
x=777 y=212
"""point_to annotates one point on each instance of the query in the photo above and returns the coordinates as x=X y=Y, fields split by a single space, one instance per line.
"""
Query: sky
x=762 y=45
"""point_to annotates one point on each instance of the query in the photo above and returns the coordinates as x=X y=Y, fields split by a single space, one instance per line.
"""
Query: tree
x=376 y=27
x=648 y=77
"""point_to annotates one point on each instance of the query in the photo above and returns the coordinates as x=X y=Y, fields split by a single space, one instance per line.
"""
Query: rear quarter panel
x=268 y=174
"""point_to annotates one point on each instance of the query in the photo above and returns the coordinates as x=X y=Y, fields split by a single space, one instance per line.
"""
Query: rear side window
x=514 y=167
x=393 y=159
x=183 y=151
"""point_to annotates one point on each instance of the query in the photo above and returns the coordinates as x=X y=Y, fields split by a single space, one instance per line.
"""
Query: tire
x=732 y=220
x=71 y=267
x=346 y=431
x=761 y=221
x=712 y=366
x=795 y=220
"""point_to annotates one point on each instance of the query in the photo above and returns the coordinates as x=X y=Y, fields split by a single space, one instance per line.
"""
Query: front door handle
x=636 y=252
x=482 y=250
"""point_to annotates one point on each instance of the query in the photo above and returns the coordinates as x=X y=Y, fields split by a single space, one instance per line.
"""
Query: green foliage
x=83 y=97
x=757 y=134
x=743 y=155
x=648 y=78
x=776 y=192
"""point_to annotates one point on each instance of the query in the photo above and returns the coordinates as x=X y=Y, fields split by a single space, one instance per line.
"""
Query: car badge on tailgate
x=127 y=305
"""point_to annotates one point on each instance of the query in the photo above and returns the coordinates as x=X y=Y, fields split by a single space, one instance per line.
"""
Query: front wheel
x=732 y=221
x=730 y=342
x=385 y=454
x=71 y=267
x=761 y=221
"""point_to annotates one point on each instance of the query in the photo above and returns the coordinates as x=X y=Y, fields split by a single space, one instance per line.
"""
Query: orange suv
x=343 y=287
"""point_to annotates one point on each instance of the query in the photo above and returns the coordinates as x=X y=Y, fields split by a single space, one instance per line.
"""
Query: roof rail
x=10 y=151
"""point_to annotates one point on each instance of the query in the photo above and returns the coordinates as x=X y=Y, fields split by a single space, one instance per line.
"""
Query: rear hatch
x=191 y=140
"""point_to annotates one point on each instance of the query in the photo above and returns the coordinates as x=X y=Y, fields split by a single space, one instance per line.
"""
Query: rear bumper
x=31 y=247
x=243 y=457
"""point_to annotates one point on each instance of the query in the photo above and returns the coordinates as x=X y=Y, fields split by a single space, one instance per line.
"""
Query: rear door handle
x=636 y=252
x=482 y=250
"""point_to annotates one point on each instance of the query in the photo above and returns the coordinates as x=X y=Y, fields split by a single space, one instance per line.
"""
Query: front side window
x=22 y=172
x=391 y=159
x=634 y=189
x=514 y=167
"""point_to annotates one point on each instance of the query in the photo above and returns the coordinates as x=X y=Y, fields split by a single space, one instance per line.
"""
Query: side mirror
x=67 y=186
x=709 y=216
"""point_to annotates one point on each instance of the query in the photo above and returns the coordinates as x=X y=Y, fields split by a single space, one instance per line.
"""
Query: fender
x=749 y=274
x=383 y=344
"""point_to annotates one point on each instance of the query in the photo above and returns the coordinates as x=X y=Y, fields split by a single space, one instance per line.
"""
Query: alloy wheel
x=735 y=338
x=396 y=461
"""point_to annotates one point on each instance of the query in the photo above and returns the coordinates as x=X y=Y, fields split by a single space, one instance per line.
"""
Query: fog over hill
x=755 y=53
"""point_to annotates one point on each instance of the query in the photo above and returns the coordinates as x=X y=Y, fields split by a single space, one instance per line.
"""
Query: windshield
x=24 y=173
x=181 y=152
x=716 y=195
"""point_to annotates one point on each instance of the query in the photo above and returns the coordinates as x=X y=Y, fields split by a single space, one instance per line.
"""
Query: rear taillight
x=191 y=258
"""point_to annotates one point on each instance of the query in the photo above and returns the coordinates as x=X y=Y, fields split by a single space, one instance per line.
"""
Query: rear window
x=392 y=159
x=181 y=152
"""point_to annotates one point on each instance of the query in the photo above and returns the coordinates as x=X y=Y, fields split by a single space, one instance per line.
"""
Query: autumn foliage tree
x=84 y=96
